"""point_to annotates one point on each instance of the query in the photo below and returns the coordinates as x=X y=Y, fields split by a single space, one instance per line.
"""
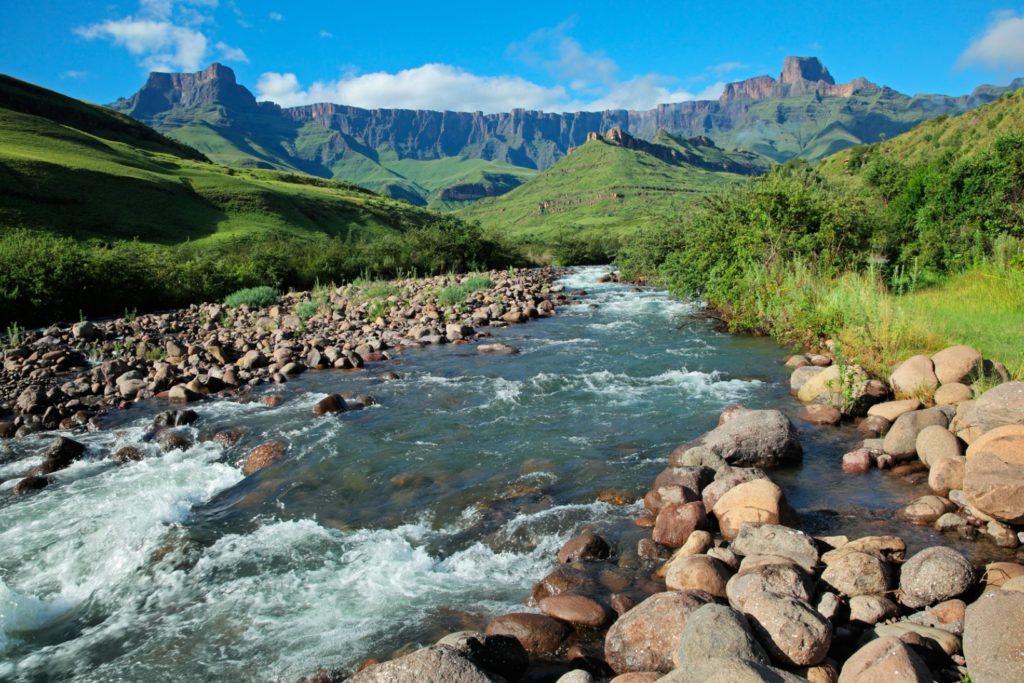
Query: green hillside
x=604 y=188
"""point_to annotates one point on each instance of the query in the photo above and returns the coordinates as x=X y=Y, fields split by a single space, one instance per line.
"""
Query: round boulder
x=754 y=438
x=698 y=572
x=435 y=664
x=901 y=441
x=792 y=632
x=926 y=509
x=885 y=660
x=717 y=631
x=858 y=573
x=933 y=575
x=644 y=638
x=952 y=394
x=820 y=414
x=1001 y=405
x=781 y=577
x=535 y=632
x=914 y=376
x=676 y=522
x=946 y=474
x=575 y=609
x=957 y=364
x=760 y=501
x=934 y=442
x=992 y=636
x=264 y=455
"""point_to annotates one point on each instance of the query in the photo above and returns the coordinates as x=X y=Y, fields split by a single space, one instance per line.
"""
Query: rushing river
x=427 y=513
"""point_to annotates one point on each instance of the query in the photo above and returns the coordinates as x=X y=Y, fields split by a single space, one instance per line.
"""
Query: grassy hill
x=99 y=212
x=605 y=188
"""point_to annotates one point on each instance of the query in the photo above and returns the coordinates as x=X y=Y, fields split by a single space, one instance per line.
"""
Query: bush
x=253 y=297
x=456 y=294
x=306 y=310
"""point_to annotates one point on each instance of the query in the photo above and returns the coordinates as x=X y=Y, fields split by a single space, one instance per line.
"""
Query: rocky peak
x=797 y=69
x=214 y=85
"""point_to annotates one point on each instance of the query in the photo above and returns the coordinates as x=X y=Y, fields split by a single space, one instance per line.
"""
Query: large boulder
x=59 y=456
x=885 y=660
x=891 y=410
x=934 y=442
x=947 y=474
x=752 y=438
x=728 y=670
x=965 y=423
x=957 y=364
x=726 y=479
x=717 y=631
x=992 y=637
x=801 y=376
x=901 y=441
x=502 y=655
x=773 y=539
x=586 y=546
x=792 y=632
x=760 y=501
x=537 y=633
x=1001 y=405
x=768 y=575
x=858 y=573
x=998 y=434
x=698 y=572
x=262 y=456
x=644 y=638
x=933 y=575
x=574 y=609
x=994 y=478
x=845 y=388
x=435 y=664
x=676 y=522
x=914 y=377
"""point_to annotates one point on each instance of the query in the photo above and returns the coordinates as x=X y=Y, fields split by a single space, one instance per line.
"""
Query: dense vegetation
x=100 y=214
x=803 y=253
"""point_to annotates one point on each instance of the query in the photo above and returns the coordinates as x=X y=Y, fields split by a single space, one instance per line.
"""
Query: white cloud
x=160 y=45
x=562 y=56
x=232 y=54
x=1000 y=47
x=276 y=16
x=446 y=87
x=74 y=74
x=326 y=34
x=726 y=67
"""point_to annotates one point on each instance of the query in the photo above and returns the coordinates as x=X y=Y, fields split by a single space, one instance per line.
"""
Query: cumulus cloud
x=160 y=45
x=232 y=54
x=163 y=34
x=276 y=16
x=1001 y=46
x=446 y=87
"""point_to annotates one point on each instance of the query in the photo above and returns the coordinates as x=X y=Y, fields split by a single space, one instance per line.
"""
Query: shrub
x=253 y=297
x=306 y=310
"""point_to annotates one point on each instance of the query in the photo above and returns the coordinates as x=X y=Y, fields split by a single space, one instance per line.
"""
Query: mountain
x=446 y=158
x=613 y=184
x=87 y=172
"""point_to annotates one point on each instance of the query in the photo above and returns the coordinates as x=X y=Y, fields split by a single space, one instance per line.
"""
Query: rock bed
x=66 y=376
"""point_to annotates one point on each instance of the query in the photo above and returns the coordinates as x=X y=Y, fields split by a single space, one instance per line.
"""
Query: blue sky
x=495 y=56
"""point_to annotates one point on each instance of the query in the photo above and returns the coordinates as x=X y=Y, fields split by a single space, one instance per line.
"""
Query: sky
x=463 y=56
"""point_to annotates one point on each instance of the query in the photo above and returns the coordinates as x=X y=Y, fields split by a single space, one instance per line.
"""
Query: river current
x=430 y=512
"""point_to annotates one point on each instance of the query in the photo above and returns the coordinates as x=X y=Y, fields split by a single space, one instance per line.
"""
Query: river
x=429 y=512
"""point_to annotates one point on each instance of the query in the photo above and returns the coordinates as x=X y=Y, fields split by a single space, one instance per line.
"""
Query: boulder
x=857 y=462
x=821 y=384
x=264 y=455
x=760 y=501
x=901 y=441
x=575 y=609
x=947 y=615
x=726 y=479
x=754 y=438
x=1006 y=441
x=781 y=578
x=992 y=644
x=697 y=572
x=729 y=670
x=858 y=573
x=676 y=522
x=994 y=485
x=891 y=410
x=926 y=509
x=952 y=394
x=965 y=422
x=998 y=573
x=644 y=638
x=871 y=609
x=820 y=414
x=537 y=633
x=947 y=474
x=1001 y=405
x=957 y=364
x=773 y=539
x=934 y=442
x=586 y=546
x=948 y=642
x=873 y=426
x=60 y=454
x=501 y=655
x=933 y=575
x=435 y=664
x=717 y=631
x=497 y=347
x=889 y=548
x=792 y=632
x=329 y=405
x=801 y=376
x=914 y=377
x=692 y=478
x=885 y=660
x=30 y=483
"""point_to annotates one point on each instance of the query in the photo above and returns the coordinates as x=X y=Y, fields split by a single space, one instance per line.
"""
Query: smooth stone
x=790 y=630
x=885 y=660
x=992 y=645
x=644 y=638
x=933 y=575
x=717 y=631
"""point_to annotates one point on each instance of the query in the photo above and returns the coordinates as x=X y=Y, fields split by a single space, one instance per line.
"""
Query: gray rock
x=773 y=539
x=644 y=638
x=497 y=654
x=434 y=664
x=753 y=438
x=933 y=575
x=781 y=578
x=728 y=670
x=717 y=631
x=871 y=609
x=726 y=479
x=901 y=441
x=858 y=573
x=885 y=660
x=992 y=643
x=792 y=632
x=1000 y=405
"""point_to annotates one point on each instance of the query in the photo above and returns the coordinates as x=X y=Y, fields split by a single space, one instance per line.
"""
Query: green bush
x=253 y=297
x=456 y=294
x=306 y=310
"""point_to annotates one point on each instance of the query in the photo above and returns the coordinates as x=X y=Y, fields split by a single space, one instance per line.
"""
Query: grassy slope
x=128 y=182
x=599 y=188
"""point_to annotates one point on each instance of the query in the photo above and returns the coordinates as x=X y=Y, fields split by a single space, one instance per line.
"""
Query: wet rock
x=692 y=478
x=726 y=479
x=537 y=633
x=760 y=501
x=586 y=546
x=575 y=609
x=497 y=347
x=497 y=654
x=857 y=462
x=126 y=454
x=564 y=579
x=791 y=631
x=173 y=440
x=227 y=438
x=675 y=523
x=933 y=575
x=926 y=509
x=754 y=438
x=717 y=631
x=820 y=414
x=329 y=405
x=435 y=664
x=643 y=639
x=175 y=418
x=390 y=376
x=858 y=573
x=772 y=539
x=262 y=456
x=885 y=660
x=61 y=453
x=29 y=484
x=992 y=637
x=873 y=426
